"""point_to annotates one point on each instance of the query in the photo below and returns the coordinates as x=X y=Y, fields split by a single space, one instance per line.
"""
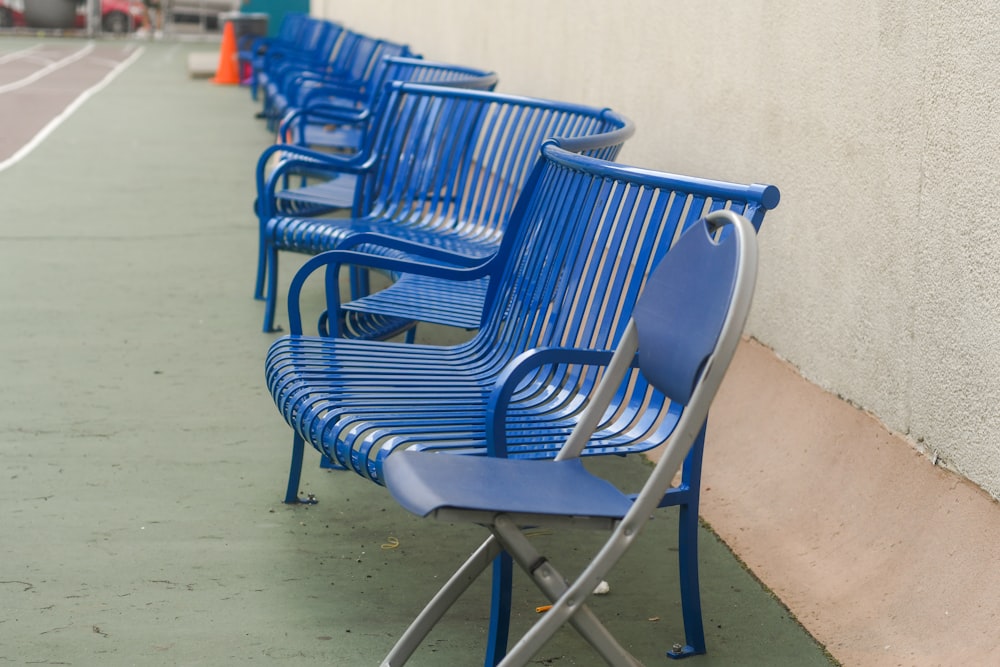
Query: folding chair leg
x=550 y=582
x=503 y=585
x=441 y=602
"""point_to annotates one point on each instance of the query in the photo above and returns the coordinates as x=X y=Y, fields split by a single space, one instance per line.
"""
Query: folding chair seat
x=578 y=247
x=682 y=335
x=445 y=168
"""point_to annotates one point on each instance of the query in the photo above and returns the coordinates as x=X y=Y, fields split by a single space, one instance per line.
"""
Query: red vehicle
x=117 y=16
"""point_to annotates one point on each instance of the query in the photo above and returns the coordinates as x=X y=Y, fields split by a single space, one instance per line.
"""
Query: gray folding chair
x=683 y=333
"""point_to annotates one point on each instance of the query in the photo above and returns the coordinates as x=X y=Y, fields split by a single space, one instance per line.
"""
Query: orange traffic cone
x=226 y=72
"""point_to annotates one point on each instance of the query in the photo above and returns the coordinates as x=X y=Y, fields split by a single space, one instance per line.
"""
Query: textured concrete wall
x=877 y=120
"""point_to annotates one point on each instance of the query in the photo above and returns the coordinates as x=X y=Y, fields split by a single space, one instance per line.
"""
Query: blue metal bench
x=324 y=42
x=307 y=182
x=319 y=184
x=252 y=48
x=346 y=80
x=326 y=125
x=313 y=46
x=444 y=169
x=579 y=244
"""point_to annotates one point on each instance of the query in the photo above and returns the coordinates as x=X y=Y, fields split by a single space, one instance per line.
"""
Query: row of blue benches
x=497 y=213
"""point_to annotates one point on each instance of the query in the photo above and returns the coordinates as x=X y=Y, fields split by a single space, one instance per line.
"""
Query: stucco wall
x=878 y=121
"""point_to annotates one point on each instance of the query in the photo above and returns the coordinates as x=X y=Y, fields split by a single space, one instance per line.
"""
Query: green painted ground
x=144 y=463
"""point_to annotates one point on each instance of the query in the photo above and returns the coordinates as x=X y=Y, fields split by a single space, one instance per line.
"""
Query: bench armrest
x=333 y=260
x=514 y=374
x=411 y=248
x=299 y=158
x=324 y=90
x=331 y=114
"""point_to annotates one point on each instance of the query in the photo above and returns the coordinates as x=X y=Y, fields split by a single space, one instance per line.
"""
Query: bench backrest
x=398 y=68
x=377 y=68
x=455 y=159
x=353 y=60
x=291 y=27
x=317 y=39
x=418 y=70
x=336 y=55
x=579 y=246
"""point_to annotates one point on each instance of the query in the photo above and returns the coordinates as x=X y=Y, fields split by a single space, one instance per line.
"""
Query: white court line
x=23 y=53
x=68 y=111
x=48 y=69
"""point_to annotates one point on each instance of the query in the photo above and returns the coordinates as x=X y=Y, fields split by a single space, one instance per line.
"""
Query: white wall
x=879 y=122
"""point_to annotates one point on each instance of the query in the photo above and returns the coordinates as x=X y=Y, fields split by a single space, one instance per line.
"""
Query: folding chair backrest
x=683 y=307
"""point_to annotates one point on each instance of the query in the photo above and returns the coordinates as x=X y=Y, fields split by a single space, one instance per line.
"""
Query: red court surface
x=40 y=82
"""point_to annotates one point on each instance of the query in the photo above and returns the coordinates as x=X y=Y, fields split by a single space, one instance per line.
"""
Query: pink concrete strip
x=885 y=559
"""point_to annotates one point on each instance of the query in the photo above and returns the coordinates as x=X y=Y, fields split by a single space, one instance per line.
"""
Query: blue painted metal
x=444 y=170
x=685 y=328
x=578 y=246
x=332 y=43
x=311 y=42
x=253 y=49
x=308 y=182
x=420 y=297
x=310 y=125
x=322 y=186
x=349 y=79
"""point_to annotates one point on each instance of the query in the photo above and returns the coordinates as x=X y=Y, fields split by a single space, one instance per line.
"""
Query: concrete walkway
x=143 y=462
x=888 y=559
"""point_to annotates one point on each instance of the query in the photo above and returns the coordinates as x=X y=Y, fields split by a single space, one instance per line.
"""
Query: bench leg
x=258 y=289
x=687 y=542
x=359 y=282
x=270 y=296
x=503 y=583
x=694 y=631
x=295 y=475
x=327 y=463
